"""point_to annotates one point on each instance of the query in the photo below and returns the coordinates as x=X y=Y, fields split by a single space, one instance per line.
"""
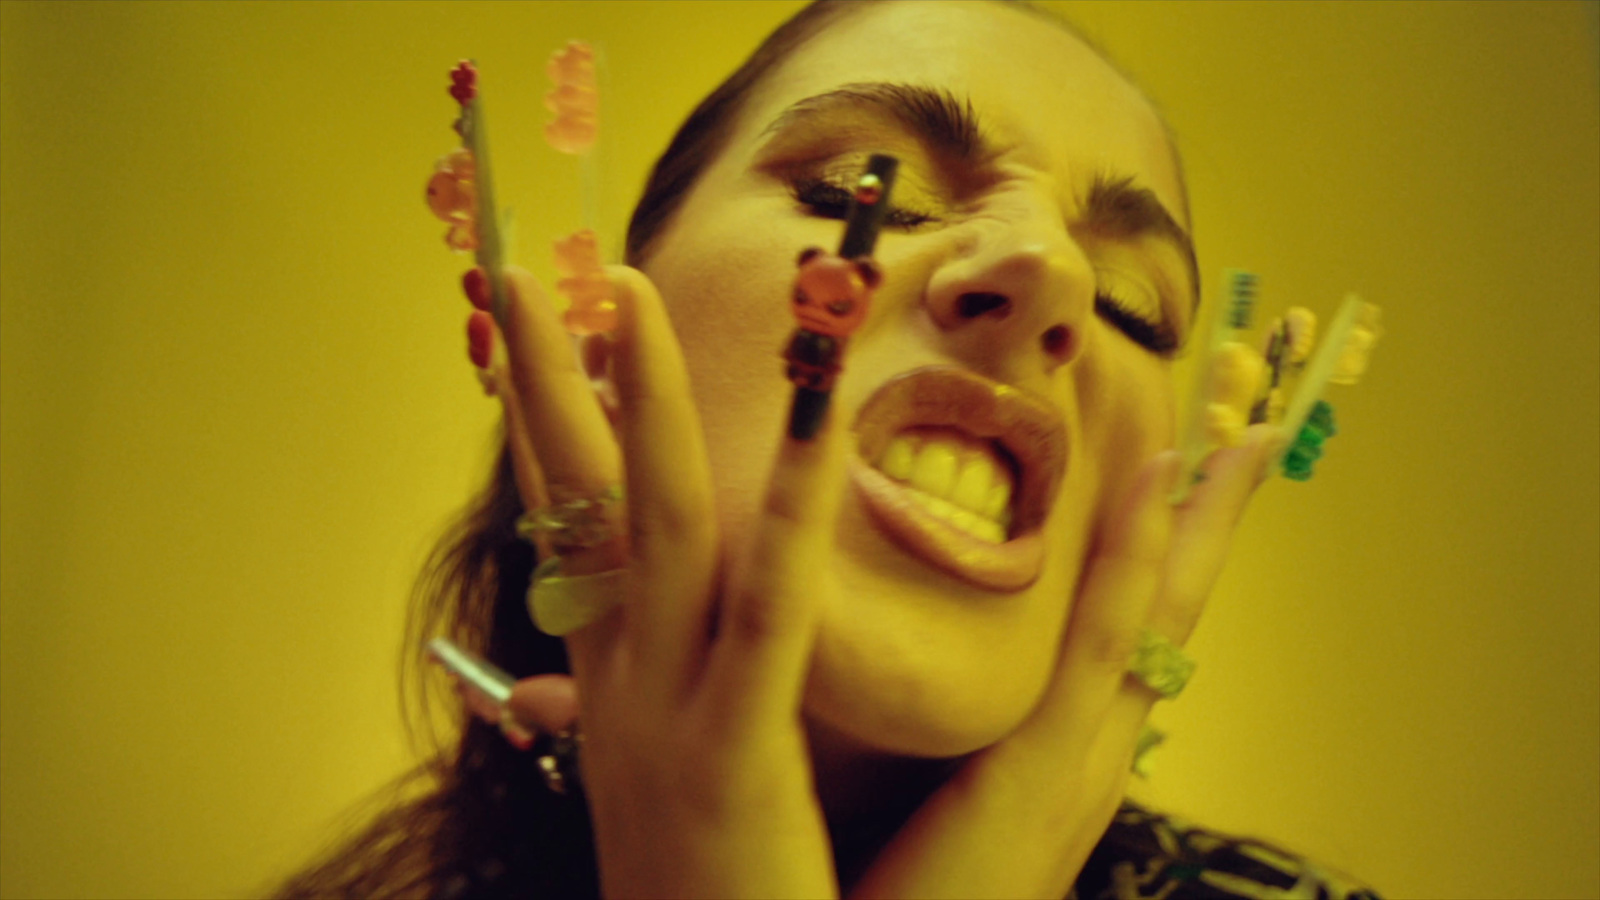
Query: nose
x=1016 y=291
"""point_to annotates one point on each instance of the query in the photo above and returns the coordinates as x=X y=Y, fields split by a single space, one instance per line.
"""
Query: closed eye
x=832 y=201
x=1158 y=338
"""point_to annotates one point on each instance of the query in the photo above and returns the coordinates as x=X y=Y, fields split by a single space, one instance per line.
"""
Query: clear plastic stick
x=1239 y=286
x=490 y=255
x=1320 y=370
x=480 y=673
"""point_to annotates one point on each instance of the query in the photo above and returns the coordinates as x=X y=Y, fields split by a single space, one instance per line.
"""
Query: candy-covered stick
x=1240 y=289
x=575 y=99
x=1343 y=353
x=832 y=293
x=474 y=135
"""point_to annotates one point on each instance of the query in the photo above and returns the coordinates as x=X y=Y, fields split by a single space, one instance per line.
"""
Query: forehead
x=1039 y=91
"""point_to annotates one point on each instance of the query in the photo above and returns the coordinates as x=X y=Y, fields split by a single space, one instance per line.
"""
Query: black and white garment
x=1150 y=856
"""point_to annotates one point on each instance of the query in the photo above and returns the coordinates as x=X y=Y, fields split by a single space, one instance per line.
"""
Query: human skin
x=910 y=660
x=715 y=761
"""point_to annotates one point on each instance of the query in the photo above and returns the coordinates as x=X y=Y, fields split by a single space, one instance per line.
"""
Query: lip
x=1030 y=430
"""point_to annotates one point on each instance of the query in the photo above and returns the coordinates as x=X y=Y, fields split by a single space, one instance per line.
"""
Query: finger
x=567 y=432
x=565 y=425
x=486 y=350
x=547 y=703
x=768 y=620
x=1203 y=529
x=671 y=524
x=1119 y=586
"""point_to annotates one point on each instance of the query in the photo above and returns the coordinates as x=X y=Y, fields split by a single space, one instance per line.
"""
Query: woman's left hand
x=1020 y=818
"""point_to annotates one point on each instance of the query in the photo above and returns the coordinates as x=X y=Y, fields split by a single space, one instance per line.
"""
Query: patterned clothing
x=1150 y=856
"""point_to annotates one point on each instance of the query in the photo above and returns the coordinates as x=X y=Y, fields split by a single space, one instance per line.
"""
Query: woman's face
x=1036 y=275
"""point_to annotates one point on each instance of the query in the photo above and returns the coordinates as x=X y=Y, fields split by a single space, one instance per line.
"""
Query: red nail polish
x=480 y=338
x=476 y=286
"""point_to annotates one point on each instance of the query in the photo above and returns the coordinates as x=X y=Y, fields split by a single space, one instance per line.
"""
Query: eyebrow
x=1119 y=209
x=936 y=115
x=1116 y=207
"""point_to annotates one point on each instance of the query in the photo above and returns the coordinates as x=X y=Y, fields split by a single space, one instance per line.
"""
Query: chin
x=912 y=662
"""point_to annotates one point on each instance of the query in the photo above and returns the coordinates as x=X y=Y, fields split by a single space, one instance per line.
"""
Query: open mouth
x=961 y=471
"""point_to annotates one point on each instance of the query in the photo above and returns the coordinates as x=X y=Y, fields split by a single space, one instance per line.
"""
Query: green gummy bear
x=1321 y=418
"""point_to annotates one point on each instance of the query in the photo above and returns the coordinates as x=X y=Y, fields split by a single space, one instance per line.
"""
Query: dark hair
x=475 y=820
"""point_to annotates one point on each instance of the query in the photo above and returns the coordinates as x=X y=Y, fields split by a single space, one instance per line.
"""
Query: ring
x=561 y=604
x=1161 y=665
x=576 y=524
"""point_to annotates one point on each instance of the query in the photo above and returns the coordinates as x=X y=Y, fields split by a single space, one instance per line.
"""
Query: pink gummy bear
x=575 y=99
x=593 y=309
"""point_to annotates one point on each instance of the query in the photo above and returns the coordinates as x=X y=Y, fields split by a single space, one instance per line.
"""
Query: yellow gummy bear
x=1231 y=389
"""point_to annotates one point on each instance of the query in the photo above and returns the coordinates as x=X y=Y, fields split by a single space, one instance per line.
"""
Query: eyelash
x=832 y=201
x=1158 y=338
x=824 y=198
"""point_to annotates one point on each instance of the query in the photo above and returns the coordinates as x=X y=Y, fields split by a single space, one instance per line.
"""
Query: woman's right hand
x=694 y=758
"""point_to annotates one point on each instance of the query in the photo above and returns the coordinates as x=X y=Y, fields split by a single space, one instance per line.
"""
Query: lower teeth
x=965 y=520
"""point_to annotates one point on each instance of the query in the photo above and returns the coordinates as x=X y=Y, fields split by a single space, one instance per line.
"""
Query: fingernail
x=476 y=286
x=480 y=337
x=520 y=737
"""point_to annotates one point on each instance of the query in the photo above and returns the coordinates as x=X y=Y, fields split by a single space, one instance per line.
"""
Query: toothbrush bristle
x=1241 y=298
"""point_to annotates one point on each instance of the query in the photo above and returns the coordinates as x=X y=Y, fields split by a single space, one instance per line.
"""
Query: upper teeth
x=964 y=473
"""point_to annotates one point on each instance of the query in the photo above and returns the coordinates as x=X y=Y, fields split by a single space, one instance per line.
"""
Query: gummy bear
x=593 y=308
x=1307 y=449
x=464 y=82
x=1301 y=325
x=1357 y=350
x=575 y=99
x=453 y=197
x=1230 y=391
x=830 y=301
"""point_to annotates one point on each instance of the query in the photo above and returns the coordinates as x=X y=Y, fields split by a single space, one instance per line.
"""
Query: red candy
x=476 y=287
x=464 y=82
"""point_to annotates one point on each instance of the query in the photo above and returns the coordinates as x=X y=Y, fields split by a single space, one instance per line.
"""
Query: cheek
x=730 y=309
x=1126 y=413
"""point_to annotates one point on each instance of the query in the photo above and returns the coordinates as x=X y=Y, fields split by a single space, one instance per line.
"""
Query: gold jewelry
x=1161 y=665
x=576 y=524
x=561 y=604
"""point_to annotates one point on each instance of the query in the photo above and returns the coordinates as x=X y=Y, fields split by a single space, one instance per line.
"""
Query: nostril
x=972 y=306
x=1058 y=342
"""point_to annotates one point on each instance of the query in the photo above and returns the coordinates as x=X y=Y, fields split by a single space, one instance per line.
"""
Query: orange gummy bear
x=453 y=197
x=593 y=309
x=575 y=99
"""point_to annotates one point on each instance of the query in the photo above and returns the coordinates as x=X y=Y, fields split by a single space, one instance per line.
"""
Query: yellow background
x=236 y=411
